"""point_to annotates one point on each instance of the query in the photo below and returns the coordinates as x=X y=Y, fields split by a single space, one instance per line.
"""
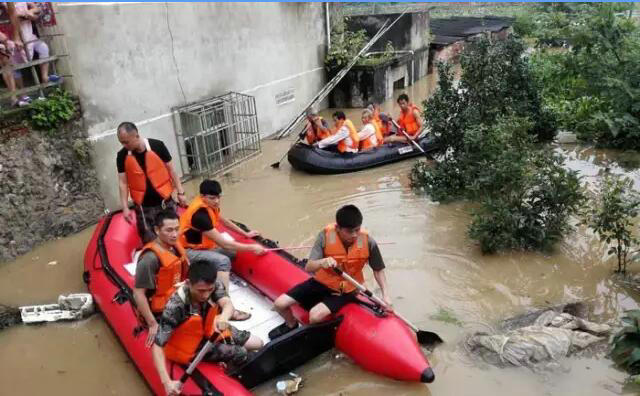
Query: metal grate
x=217 y=133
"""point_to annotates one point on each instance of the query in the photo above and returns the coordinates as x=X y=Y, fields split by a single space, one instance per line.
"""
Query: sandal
x=239 y=315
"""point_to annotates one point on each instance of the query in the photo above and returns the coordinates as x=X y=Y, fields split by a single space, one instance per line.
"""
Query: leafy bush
x=611 y=217
x=489 y=127
x=49 y=114
x=626 y=343
x=592 y=86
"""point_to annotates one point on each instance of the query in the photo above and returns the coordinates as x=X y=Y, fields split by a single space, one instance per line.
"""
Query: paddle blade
x=428 y=338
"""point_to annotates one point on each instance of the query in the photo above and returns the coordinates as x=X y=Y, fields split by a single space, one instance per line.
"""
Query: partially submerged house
x=375 y=78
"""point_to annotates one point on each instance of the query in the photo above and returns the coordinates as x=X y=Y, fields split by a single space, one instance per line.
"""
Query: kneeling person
x=162 y=264
x=194 y=313
x=346 y=246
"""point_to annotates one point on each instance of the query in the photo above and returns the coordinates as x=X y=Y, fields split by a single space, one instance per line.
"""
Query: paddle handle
x=372 y=296
x=203 y=351
x=310 y=246
x=411 y=140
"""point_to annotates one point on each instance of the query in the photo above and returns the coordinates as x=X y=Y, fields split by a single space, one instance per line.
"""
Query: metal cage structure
x=217 y=134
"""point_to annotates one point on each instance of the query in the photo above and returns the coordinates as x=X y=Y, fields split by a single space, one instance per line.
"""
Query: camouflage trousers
x=146 y=216
x=230 y=350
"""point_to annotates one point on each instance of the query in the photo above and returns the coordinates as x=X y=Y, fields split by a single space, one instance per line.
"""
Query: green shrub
x=611 y=217
x=49 y=114
x=489 y=127
x=626 y=343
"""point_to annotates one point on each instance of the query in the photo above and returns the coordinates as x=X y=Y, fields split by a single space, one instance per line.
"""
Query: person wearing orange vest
x=343 y=244
x=369 y=133
x=317 y=128
x=410 y=121
x=197 y=311
x=199 y=236
x=374 y=108
x=145 y=172
x=345 y=135
x=162 y=264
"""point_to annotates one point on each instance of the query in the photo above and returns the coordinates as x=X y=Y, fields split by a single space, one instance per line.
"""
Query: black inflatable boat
x=314 y=160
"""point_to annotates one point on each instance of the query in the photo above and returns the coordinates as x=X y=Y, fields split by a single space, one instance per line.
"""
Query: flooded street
x=431 y=266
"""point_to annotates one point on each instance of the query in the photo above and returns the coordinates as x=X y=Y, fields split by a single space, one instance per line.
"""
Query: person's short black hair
x=340 y=115
x=201 y=270
x=165 y=214
x=349 y=216
x=127 y=127
x=404 y=97
x=210 y=187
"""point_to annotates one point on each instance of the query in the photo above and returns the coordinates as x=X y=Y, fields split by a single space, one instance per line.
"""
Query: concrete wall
x=137 y=61
x=411 y=32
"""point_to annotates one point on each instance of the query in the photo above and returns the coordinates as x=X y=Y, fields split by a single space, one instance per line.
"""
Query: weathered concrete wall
x=136 y=62
x=411 y=32
x=48 y=186
x=410 y=35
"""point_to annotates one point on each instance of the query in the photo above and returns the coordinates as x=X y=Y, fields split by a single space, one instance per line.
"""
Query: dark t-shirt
x=202 y=223
x=151 y=197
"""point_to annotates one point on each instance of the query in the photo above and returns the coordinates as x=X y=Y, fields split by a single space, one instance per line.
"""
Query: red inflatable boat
x=379 y=343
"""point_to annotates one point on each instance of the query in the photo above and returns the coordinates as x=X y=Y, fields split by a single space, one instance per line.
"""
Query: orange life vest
x=372 y=141
x=185 y=339
x=408 y=121
x=173 y=269
x=156 y=170
x=314 y=135
x=377 y=122
x=185 y=225
x=350 y=143
x=352 y=262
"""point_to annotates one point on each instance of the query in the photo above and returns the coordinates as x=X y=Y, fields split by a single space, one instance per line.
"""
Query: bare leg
x=318 y=313
x=283 y=305
x=44 y=73
x=7 y=76
x=253 y=343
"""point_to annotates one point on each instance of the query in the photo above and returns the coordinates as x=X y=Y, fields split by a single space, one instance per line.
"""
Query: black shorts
x=311 y=292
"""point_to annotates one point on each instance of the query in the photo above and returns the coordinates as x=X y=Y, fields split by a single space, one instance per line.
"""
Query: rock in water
x=9 y=316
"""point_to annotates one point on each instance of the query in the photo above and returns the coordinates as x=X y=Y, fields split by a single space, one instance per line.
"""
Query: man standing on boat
x=145 y=172
x=345 y=245
x=199 y=310
x=198 y=235
x=410 y=121
x=345 y=136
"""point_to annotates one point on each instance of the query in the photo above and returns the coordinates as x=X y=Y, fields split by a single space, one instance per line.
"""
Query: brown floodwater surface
x=432 y=265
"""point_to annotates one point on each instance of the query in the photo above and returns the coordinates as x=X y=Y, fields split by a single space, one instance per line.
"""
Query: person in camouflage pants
x=200 y=293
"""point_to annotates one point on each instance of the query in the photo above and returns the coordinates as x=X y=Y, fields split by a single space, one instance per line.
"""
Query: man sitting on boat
x=162 y=264
x=370 y=136
x=344 y=245
x=317 y=128
x=200 y=238
x=345 y=136
x=199 y=309
x=410 y=121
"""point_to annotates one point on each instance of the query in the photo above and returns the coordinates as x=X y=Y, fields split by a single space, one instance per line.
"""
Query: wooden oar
x=424 y=337
x=310 y=246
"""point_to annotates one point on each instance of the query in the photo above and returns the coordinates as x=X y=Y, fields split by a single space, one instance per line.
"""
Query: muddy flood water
x=432 y=266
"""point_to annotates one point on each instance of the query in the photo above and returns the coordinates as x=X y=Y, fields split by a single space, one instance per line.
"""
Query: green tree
x=611 y=217
x=489 y=126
